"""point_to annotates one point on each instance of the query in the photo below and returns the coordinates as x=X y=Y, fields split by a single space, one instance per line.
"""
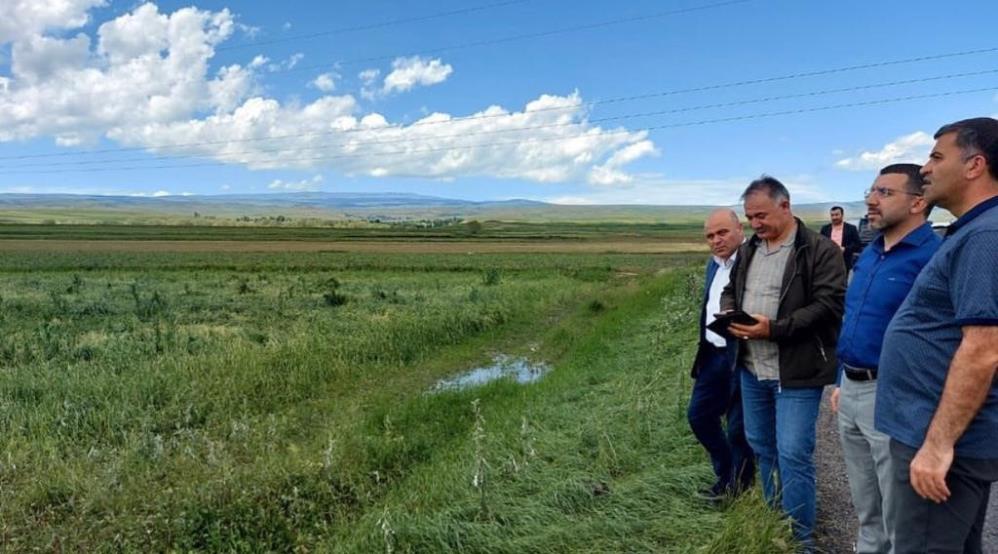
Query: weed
x=75 y=285
x=492 y=277
x=333 y=298
x=479 y=477
x=147 y=307
x=387 y=532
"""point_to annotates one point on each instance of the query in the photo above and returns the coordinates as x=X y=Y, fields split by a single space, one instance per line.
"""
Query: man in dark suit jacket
x=716 y=392
x=844 y=234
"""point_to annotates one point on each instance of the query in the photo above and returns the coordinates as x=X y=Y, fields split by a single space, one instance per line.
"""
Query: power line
x=694 y=123
x=372 y=26
x=672 y=92
x=811 y=94
x=527 y=36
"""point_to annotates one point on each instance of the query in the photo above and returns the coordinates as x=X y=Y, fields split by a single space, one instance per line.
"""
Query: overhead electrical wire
x=526 y=36
x=222 y=156
x=371 y=26
x=645 y=96
x=695 y=123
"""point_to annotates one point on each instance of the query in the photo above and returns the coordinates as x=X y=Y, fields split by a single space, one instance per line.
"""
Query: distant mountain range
x=317 y=206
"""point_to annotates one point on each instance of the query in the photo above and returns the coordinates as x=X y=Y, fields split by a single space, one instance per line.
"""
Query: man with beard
x=881 y=279
x=937 y=397
x=843 y=234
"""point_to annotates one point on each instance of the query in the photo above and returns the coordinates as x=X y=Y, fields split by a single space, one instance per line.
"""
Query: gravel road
x=836 y=529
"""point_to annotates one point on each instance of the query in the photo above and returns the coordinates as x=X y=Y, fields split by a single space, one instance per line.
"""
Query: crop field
x=233 y=401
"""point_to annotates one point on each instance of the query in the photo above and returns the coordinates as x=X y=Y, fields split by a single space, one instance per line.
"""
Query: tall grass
x=226 y=406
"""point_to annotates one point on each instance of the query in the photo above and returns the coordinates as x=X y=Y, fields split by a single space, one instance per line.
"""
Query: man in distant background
x=844 y=234
x=882 y=277
x=716 y=391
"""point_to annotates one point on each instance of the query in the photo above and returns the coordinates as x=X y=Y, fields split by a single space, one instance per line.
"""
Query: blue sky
x=482 y=100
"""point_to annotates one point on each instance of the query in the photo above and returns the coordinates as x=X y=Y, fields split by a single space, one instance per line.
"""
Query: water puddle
x=521 y=370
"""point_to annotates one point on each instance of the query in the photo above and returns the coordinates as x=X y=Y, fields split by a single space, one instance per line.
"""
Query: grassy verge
x=596 y=458
x=187 y=403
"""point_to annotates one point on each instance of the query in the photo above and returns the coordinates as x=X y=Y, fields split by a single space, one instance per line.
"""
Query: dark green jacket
x=812 y=300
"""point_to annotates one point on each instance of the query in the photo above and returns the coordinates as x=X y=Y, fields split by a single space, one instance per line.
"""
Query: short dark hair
x=978 y=135
x=839 y=208
x=915 y=180
x=769 y=185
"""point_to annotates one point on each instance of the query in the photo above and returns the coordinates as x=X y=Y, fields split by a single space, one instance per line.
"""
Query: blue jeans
x=716 y=395
x=780 y=427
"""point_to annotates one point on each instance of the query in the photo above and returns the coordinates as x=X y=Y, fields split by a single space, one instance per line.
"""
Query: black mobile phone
x=720 y=324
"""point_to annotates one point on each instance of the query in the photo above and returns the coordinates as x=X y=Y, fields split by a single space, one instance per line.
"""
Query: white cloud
x=656 y=190
x=912 y=148
x=40 y=58
x=609 y=174
x=22 y=19
x=367 y=78
x=231 y=87
x=305 y=185
x=158 y=194
x=325 y=82
x=143 y=81
x=66 y=87
x=288 y=63
x=144 y=32
x=548 y=141
x=414 y=71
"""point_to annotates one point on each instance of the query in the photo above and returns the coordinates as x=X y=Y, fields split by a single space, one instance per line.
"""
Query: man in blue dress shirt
x=937 y=397
x=882 y=277
x=716 y=389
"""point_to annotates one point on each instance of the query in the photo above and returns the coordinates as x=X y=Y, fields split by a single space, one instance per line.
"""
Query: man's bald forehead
x=720 y=214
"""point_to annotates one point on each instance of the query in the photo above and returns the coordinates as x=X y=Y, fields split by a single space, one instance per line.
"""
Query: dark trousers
x=717 y=395
x=955 y=525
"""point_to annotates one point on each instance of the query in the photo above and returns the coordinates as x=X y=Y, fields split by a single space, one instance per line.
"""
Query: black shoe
x=741 y=488
x=714 y=494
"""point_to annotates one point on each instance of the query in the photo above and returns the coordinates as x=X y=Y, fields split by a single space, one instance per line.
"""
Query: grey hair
x=771 y=186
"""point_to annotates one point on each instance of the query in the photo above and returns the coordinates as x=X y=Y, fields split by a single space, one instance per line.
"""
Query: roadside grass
x=597 y=457
x=222 y=404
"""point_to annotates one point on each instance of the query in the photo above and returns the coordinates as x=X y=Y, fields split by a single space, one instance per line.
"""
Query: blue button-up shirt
x=958 y=287
x=880 y=282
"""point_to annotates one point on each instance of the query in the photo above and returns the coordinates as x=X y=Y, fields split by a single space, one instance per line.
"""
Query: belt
x=859 y=373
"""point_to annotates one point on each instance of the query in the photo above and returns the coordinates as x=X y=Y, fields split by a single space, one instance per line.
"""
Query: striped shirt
x=763 y=282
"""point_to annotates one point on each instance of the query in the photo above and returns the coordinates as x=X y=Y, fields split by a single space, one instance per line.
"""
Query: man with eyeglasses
x=882 y=277
x=937 y=397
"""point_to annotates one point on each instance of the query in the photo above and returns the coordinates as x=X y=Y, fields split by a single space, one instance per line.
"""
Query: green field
x=469 y=231
x=247 y=402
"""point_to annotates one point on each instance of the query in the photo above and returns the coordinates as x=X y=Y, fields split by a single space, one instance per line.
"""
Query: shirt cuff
x=977 y=321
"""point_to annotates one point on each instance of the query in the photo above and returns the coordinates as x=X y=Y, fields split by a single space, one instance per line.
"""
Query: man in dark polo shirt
x=881 y=279
x=937 y=397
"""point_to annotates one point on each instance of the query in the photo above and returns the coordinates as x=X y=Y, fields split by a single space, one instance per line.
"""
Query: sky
x=591 y=102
